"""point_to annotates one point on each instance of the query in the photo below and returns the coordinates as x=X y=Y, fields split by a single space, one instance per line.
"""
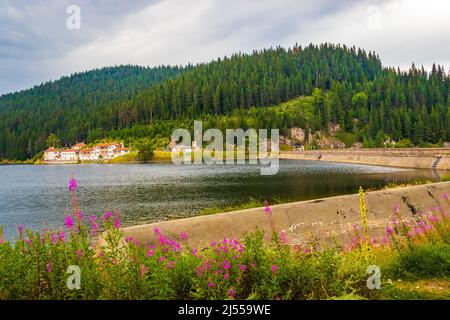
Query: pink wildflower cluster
x=224 y=266
x=398 y=228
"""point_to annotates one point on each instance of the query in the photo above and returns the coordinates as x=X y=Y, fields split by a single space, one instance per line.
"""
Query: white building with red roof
x=52 y=154
x=69 y=155
x=80 y=152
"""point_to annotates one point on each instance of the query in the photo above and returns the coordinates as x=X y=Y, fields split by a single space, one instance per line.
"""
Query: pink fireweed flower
x=62 y=236
x=150 y=253
x=410 y=234
x=94 y=227
x=226 y=265
x=274 y=268
x=212 y=244
x=445 y=196
x=156 y=231
x=422 y=224
x=128 y=239
x=432 y=218
x=267 y=209
x=176 y=247
x=162 y=258
x=116 y=221
x=183 y=236
x=162 y=240
x=69 y=222
x=92 y=218
x=72 y=184
x=243 y=267
x=211 y=284
x=28 y=242
x=20 y=227
x=170 y=264
x=388 y=230
x=80 y=216
x=79 y=253
x=53 y=238
x=194 y=251
x=231 y=293
x=49 y=267
x=283 y=236
x=108 y=215
x=226 y=276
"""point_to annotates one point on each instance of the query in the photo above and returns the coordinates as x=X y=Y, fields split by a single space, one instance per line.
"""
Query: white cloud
x=183 y=31
x=409 y=31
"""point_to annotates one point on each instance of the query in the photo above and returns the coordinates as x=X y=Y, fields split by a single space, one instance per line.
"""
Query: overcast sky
x=36 y=45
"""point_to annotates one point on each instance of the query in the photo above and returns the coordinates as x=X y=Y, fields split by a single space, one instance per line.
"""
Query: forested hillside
x=69 y=107
x=348 y=86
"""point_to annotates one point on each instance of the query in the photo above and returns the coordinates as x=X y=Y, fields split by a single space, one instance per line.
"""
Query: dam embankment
x=322 y=219
x=429 y=158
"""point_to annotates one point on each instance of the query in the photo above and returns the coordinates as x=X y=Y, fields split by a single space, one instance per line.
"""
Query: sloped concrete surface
x=322 y=219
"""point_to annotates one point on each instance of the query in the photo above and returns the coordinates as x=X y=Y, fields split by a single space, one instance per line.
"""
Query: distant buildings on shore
x=81 y=152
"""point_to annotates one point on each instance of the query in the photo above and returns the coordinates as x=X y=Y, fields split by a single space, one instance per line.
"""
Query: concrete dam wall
x=436 y=158
x=325 y=219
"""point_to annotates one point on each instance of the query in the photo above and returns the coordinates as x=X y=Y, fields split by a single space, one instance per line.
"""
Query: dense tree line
x=345 y=85
x=69 y=107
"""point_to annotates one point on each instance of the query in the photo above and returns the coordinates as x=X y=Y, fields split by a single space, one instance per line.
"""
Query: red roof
x=79 y=145
x=107 y=144
x=51 y=149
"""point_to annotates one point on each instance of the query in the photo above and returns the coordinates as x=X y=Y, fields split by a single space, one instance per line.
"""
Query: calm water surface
x=38 y=196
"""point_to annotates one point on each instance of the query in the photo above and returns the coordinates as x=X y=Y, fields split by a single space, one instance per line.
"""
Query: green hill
x=343 y=85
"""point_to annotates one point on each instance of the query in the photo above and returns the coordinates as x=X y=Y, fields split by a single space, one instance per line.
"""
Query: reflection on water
x=38 y=196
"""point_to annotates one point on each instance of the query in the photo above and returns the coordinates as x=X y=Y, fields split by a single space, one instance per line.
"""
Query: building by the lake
x=81 y=152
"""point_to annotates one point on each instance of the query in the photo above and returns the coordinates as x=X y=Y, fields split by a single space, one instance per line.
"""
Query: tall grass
x=258 y=266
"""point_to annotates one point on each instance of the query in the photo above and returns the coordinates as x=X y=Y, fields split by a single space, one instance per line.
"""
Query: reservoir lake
x=38 y=197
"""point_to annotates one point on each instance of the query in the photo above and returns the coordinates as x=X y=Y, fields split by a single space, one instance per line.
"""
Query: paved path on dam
x=421 y=158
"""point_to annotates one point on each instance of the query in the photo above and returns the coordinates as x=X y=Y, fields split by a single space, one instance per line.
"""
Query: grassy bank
x=413 y=258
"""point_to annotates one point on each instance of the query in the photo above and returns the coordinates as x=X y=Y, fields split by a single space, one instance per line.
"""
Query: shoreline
x=413 y=158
